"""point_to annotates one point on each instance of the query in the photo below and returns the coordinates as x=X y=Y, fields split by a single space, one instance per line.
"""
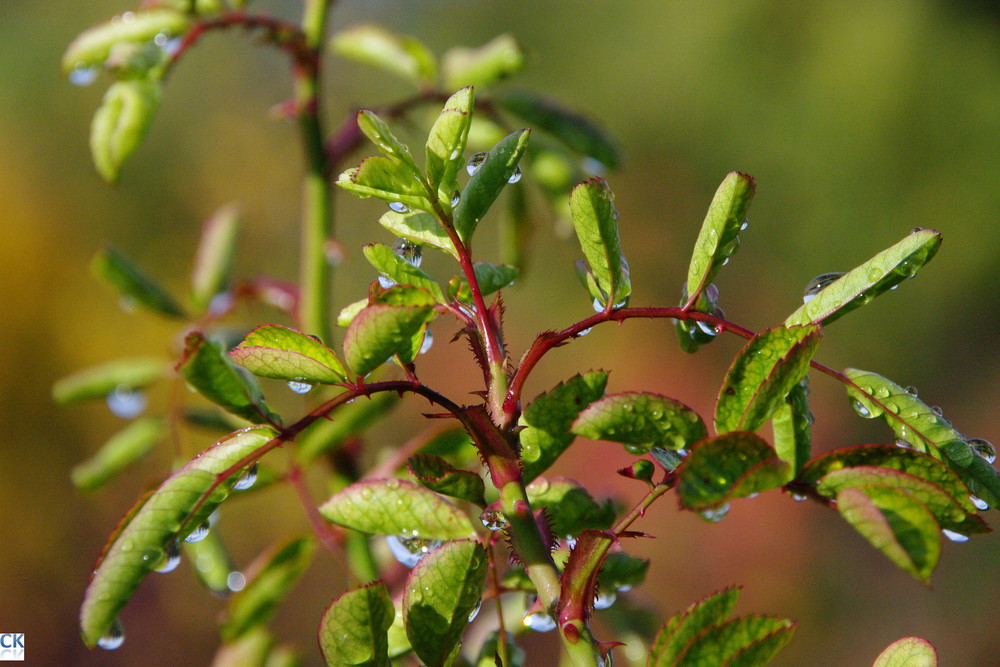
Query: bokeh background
x=859 y=121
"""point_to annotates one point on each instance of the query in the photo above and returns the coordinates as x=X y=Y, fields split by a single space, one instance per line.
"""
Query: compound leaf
x=731 y=465
x=278 y=352
x=548 y=418
x=132 y=284
x=354 y=626
x=441 y=592
x=640 y=420
x=208 y=369
x=592 y=207
x=396 y=507
x=170 y=514
x=487 y=181
x=762 y=375
x=718 y=239
x=896 y=523
x=254 y=606
x=863 y=283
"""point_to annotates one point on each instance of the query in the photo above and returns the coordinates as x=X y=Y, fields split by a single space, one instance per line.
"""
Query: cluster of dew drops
x=84 y=75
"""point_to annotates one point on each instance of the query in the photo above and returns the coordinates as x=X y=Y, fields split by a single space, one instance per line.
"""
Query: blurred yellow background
x=859 y=121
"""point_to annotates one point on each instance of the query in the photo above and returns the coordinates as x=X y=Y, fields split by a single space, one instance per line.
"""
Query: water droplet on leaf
x=114 y=637
x=399 y=207
x=385 y=282
x=817 y=284
x=247 y=479
x=955 y=537
x=874 y=274
x=83 y=75
x=539 y=622
x=392 y=483
x=493 y=520
x=715 y=514
x=980 y=504
x=456 y=197
x=409 y=550
x=171 y=559
x=454 y=155
x=412 y=253
x=515 y=177
x=475 y=611
x=864 y=411
x=912 y=391
x=475 y=162
x=126 y=403
x=984 y=448
x=936 y=409
x=605 y=600
x=199 y=533
x=428 y=341
x=746 y=223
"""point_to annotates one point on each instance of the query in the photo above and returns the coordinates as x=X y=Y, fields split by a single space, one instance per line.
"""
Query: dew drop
x=936 y=409
x=247 y=479
x=83 y=75
x=515 y=177
x=539 y=622
x=366 y=493
x=860 y=408
x=984 y=448
x=399 y=207
x=392 y=483
x=903 y=444
x=475 y=162
x=454 y=155
x=912 y=391
x=385 y=282
x=475 y=611
x=798 y=497
x=980 y=504
x=114 y=637
x=707 y=329
x=126 y=403
x=955 y=537
x=493 y=520
x=605 y=600
x=874 y=274
x=598 y=306
x=236 y=582
x=299 y=387
x=584 y=332
x=409 y=550
x=715 y=514
x=171 y=559
x=817 y=284
x=412 y=253
x=456 y=196
x=198 y=534
x=161 y=39
x=635 y=450
x=428 y=341
x=746 y=223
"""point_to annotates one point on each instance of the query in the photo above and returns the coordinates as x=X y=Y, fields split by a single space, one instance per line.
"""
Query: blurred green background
x=859 y=121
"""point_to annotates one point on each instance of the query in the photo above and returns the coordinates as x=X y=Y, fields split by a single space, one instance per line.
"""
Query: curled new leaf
x=641 y=420
x=483 y=66
x=396 y=507
x=354 y=626
x=253 y=606
x=595 y=219
x=132 y=284
x=93 y=46
x=278 y=352
x=732 y=465
x=99 y=381
x=388 y=180
x=446 y=143
x=122 y=450
x=487 y=181
x=719 y=239
x=863 y=283
x=172 y=512
x=395 y=150
x=763 y=374
x=398 y=54
x=441 y=592
x=121 y=123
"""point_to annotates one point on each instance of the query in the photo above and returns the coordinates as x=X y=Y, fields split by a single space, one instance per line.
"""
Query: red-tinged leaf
x=278 y=352
x=908 y=652
x=732 y=465
x=678 y=632
x=354 y=626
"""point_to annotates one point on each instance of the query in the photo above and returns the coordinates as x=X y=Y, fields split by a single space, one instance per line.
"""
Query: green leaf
x=208 y=369
x=763 y=374
x=400 y=271
x=592 y=207
x=378 y=131
x=345 y=422
x=250 y=650
x=692 y=334
x=385 y=179
x=446 y=143
x=792 y=424
x=396 y=507
x=380 y=331
x=641 y=420
x=278 y=352
x=441 y=592
x=908 y=652
x=94 y=45
x=678 y=632
x=622 y=571
x=917 y=425
x=888 y=458
x=486 y=183
x=718 y=239
x=389 y=51
x=99 y=381
x=438 y=475
x=121 y=123
x=353 y=628
x=732 y=465
x=399 y=644
x=896 y=523
x=170 y=514
x=491 y=278
x=548 y=418
x=132 y=284
x=863 y=283
x=214 y=262
x=123 y=449
x=254 y=606
x=749 y=640
x=211 y=562
x=419 y=227
x=350 y=311
x=490 y=63
x=569 y=506
x=573 y=130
